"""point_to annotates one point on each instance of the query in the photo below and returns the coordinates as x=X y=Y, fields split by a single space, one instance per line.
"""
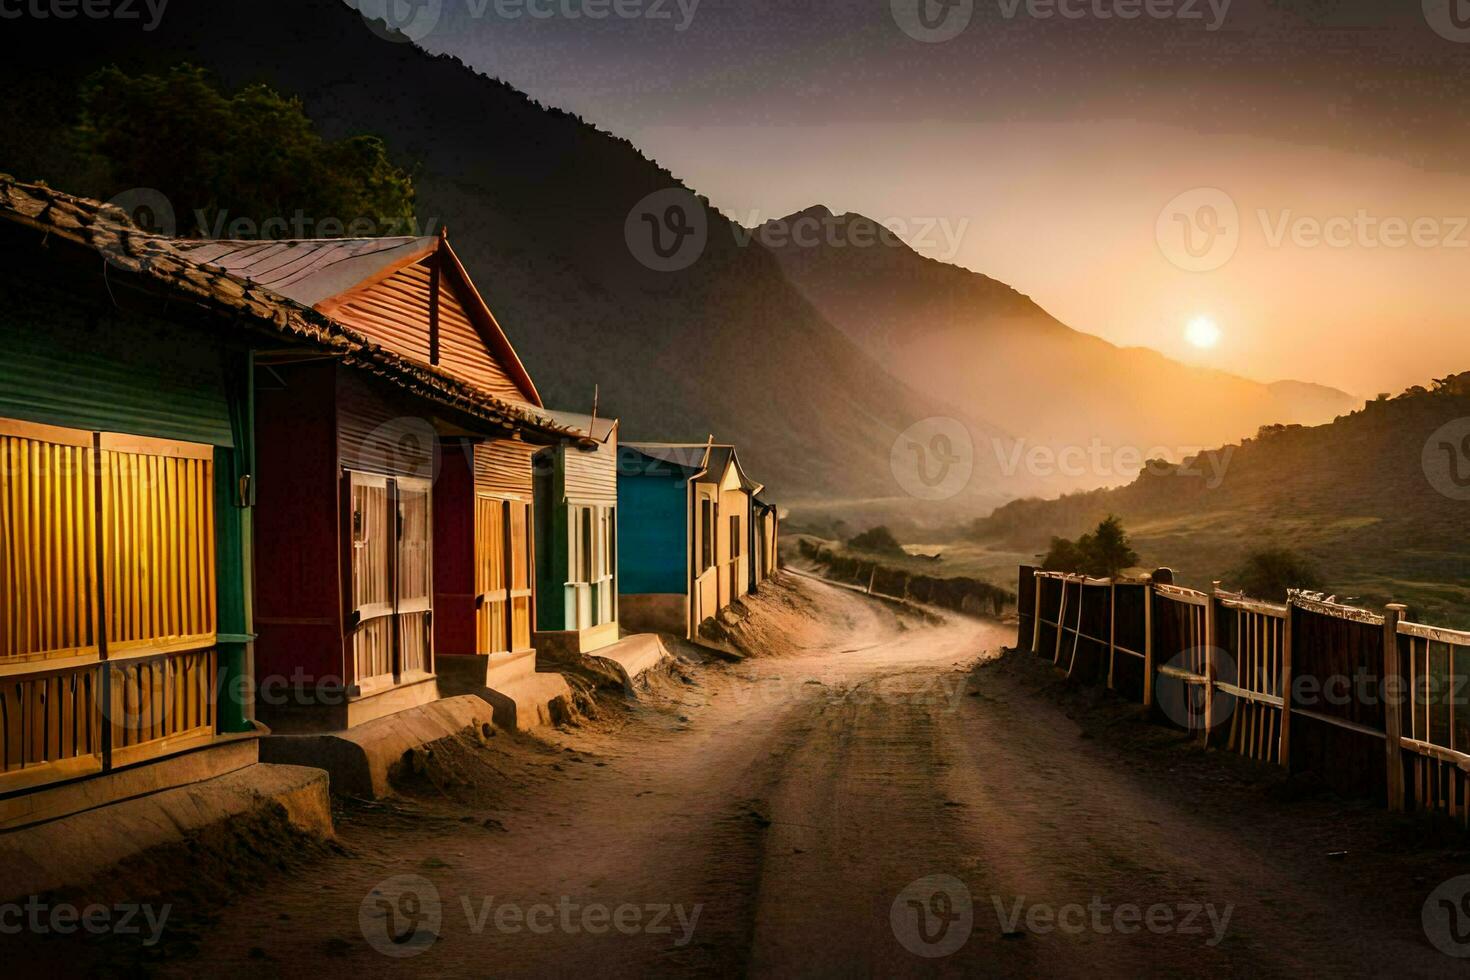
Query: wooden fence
x=1370 y=703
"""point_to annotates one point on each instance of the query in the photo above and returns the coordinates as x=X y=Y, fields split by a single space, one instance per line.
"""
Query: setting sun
x=1202 y=332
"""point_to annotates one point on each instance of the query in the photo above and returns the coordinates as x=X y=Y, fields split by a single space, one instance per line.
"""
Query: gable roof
x=157 y=263
x=600 y=428
x=722 y=456
x=334 y=275
x=661 y=459
x=706 y=459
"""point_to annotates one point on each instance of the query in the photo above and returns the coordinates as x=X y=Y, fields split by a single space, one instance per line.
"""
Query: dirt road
x=788 y=814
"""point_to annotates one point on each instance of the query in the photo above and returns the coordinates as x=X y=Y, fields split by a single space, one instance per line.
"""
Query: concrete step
x=521 y=696
x=77 y=850
x=359 y=759
x=634 y=656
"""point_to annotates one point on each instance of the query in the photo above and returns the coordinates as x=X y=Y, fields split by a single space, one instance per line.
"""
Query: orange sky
x=1067 y=213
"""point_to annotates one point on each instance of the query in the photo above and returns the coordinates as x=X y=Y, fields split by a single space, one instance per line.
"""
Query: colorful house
x=577 y=539
x=394 y=520
x=126 y=491
x=764 y=532
x=685 y=522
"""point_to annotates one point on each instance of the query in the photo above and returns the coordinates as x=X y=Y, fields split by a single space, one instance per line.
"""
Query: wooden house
x=763 y=542
x=124 y=512
x=395 y=528
x=685 y=522
x=577 y=539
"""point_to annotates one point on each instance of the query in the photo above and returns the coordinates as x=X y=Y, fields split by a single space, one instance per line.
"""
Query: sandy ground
x=785 y=815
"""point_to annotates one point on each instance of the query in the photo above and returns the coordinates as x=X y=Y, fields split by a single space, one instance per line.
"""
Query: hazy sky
x=1316 y=153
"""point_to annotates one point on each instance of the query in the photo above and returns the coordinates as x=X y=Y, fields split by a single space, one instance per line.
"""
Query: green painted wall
x=71 y=363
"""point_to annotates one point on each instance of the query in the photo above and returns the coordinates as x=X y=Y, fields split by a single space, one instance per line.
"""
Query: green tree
x=878 y=540
x=1103 y=552
x=1109 y=551
x=1270 y=572
x=248 y=165
x=1062 y=556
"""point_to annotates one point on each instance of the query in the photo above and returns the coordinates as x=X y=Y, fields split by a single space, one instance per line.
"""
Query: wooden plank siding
x=158 y=523
x=48 y=600
x=591 y=476
x=394 y=312
x=379 y=433
x=503 y=466
x=108 y=613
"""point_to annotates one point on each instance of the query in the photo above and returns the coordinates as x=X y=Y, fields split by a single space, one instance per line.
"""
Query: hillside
x=994 y=352
x=535 y=200
x=1369 y=498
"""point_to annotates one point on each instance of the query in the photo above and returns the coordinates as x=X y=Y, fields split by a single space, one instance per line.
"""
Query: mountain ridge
x=537 y=202
x=1371 y=497
x=995 y=352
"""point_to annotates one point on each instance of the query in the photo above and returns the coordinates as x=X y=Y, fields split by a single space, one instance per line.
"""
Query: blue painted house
x=656 y=528
x=684 y=520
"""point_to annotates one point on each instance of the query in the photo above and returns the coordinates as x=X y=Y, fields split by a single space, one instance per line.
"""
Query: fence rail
x=1309 y=684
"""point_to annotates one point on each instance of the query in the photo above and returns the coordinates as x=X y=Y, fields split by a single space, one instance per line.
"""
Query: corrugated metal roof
x=108 y=231
x=306 y=270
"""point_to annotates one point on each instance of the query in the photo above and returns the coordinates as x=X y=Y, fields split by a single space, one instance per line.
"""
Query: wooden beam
x=1112 y=629
x=1284 y=749
x=1209 y=656
x=1393 y=703
x=1036 y=618
x=434 y=303
x=1148 y=642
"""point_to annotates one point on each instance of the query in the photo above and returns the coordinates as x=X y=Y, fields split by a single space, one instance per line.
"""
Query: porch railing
x=107 y=601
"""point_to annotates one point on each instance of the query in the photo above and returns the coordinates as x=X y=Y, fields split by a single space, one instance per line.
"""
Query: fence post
x=1148 y=641
x=872 y=575
x=1393 y=718
x=1056 y=657
x=1209 y=651
x=1112 y=628
x=1287 y=646
x=1036 y=617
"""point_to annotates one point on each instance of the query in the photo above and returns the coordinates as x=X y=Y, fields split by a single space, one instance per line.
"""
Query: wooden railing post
x=1148 y=641
x=1287 y=647
x=1393 y=693
x=1210 y=669
x=1112 y=628
x=1036 y=616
